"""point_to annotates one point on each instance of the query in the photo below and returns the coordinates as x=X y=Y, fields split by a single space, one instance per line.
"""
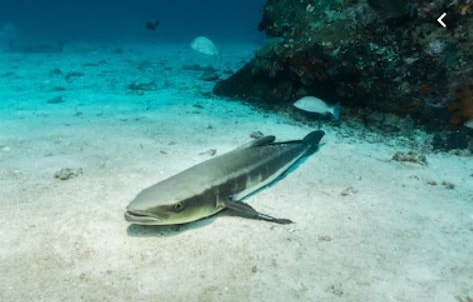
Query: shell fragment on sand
x=316 y=105
x=204 y=45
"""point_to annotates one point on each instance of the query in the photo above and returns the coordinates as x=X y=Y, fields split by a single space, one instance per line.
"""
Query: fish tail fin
x=313 y=138
x=336 y=111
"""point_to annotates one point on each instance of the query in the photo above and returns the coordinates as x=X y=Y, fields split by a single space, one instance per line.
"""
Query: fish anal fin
x=246 y=210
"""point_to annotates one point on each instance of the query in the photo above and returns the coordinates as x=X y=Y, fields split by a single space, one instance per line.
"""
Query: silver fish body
x=315 y=105
x=219 y=183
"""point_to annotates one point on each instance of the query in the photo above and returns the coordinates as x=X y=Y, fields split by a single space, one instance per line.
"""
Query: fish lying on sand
x=220 y=183
x=316 y=105
x=204 y=45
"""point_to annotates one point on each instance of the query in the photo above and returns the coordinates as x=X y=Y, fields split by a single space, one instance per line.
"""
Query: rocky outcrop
x=383 y=55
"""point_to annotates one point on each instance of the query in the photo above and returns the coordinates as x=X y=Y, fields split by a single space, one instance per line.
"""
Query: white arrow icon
x=439 y=20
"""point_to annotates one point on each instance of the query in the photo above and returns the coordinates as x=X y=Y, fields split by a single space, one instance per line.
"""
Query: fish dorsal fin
x=262 y=141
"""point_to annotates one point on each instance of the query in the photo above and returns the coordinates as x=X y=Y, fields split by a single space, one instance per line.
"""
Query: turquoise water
x=122 y=108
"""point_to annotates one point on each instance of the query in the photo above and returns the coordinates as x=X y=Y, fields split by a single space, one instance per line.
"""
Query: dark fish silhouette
x=152 y=25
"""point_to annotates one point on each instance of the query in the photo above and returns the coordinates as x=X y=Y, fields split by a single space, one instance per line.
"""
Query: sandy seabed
x=367 y=228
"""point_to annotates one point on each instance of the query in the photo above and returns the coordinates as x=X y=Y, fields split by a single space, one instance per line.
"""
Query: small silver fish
x=204 y=45
x=316 y=105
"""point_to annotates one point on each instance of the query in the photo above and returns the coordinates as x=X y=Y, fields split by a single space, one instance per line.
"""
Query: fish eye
x=178 y=206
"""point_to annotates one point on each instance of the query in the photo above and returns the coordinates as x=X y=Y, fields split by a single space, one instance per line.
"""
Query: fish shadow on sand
x=319 y=120
x=137 y=230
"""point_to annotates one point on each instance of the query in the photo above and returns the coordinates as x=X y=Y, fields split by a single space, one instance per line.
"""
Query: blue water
x=367 y=228
x=125 y=19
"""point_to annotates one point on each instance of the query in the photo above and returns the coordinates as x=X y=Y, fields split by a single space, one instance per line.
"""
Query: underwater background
x=123 y=20
x=101 y=100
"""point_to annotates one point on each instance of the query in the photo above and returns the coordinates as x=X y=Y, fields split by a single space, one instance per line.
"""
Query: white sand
x=366 y=228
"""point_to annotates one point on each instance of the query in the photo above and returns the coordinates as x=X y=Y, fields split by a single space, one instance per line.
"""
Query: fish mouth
x=141 y=218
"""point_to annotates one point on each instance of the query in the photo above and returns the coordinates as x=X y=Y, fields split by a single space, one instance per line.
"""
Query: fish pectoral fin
x=248 y=211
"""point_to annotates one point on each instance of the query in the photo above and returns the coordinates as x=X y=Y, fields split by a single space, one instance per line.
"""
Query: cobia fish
x=220 y=183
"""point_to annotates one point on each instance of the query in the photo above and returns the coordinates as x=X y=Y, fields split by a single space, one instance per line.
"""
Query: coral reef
x=381 y=55
x=462 y=107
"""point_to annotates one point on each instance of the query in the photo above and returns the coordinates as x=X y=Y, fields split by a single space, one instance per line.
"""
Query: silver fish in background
x=204 y=45
x=315 y=105
x=220 y=182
